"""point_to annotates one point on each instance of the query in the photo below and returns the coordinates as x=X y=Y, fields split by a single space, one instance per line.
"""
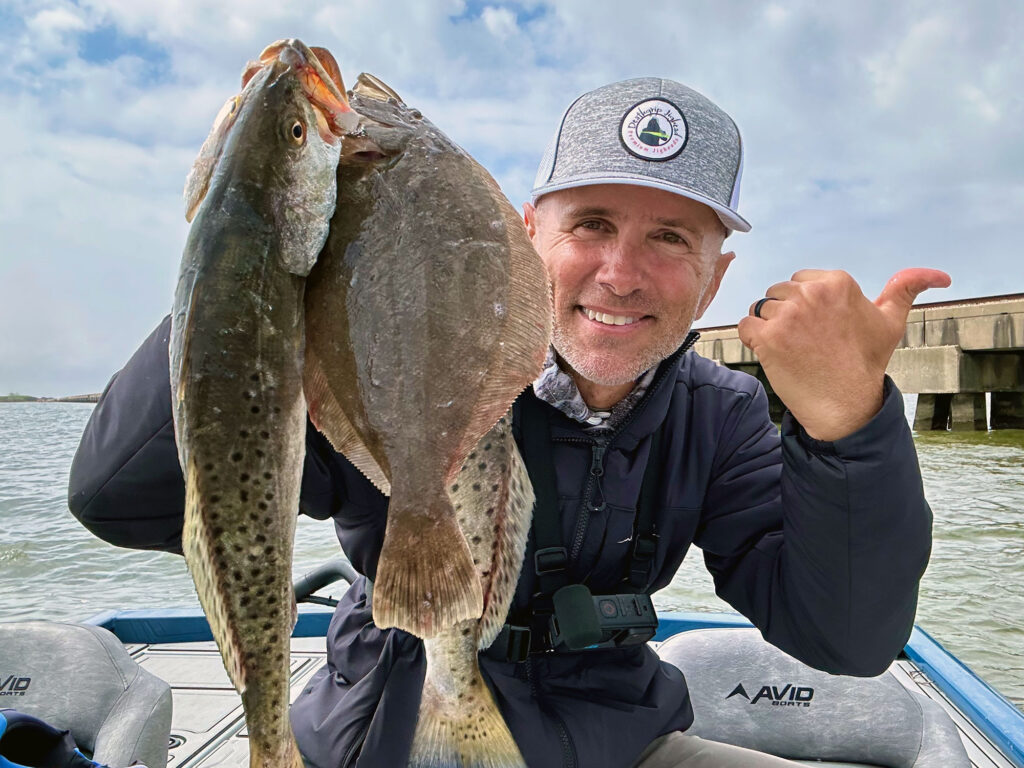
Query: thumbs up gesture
x=824 y=346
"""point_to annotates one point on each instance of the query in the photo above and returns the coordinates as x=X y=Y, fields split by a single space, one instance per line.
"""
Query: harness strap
x=526 y=631
x=645 y=537
x=550 y=558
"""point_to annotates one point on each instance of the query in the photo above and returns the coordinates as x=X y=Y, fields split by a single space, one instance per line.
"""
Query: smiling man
x=631 y=270
x=637 y=450
x=821 y=540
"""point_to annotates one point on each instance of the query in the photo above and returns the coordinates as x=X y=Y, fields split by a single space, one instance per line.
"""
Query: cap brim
x=728 y=217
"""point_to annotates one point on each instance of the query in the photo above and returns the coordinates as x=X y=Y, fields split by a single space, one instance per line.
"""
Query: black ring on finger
x=759 y=304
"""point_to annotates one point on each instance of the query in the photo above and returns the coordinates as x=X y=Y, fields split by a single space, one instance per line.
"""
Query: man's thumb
x=899 y=293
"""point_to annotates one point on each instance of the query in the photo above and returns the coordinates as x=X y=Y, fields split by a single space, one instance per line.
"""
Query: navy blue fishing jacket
x=821 y=545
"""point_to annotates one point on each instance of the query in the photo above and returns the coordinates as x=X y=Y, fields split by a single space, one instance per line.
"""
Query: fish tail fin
x=474 y=736
x=426 y=579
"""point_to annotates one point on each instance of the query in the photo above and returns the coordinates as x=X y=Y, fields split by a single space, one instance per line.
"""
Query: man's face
x=631 y=269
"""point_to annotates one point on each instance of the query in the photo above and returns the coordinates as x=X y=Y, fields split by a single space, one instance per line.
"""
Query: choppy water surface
x=972 y=598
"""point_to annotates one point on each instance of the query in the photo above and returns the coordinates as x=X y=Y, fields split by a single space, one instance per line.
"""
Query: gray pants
x=677 y=750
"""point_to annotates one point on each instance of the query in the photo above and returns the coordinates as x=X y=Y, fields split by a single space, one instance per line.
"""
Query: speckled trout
x=262 y=206
x=426 y=314
x=459 y=723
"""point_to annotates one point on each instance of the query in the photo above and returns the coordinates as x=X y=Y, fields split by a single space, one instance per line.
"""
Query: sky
x=878 y=135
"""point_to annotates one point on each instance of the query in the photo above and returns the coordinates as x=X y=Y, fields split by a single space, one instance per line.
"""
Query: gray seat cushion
x=747 y=692
x=80 y=677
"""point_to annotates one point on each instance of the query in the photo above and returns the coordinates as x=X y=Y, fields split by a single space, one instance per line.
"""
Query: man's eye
x=590 y=227
x=673 y=238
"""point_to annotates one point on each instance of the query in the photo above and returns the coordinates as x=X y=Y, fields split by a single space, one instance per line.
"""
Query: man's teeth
x=601 y=317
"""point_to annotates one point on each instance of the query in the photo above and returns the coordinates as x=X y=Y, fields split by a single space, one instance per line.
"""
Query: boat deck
x=208 y=727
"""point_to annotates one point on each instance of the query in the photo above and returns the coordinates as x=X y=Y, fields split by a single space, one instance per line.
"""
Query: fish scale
x=459 y=722
x=427 y=313
x=264 y=190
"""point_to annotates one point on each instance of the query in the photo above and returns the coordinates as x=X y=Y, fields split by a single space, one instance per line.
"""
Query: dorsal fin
x=372 y=87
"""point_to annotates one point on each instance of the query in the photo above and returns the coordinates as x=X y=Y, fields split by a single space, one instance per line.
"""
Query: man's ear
x=722 y=263
x=530 y=219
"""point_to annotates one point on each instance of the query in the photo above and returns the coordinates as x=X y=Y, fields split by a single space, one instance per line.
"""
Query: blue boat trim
x=187 y=625
x=672 y=623
x=993 y=715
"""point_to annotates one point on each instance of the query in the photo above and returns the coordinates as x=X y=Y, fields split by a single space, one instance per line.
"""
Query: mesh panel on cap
x=547 y=163
x=589 y=145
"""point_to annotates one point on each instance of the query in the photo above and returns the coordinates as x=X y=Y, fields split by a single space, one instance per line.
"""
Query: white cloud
x=896 y=72
x=500 y=22
x=776 y=14
x=985 y=107
x=51 y=29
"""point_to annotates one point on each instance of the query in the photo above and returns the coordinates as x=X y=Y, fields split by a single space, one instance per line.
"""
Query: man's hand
x=824 y=346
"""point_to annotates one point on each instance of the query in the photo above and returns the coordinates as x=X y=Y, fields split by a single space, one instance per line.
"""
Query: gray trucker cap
x=650 y=132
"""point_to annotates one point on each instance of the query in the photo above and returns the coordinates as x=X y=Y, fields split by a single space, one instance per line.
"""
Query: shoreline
x=95 y=398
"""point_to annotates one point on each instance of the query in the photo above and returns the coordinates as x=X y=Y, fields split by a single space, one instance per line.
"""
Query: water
x=972 y=597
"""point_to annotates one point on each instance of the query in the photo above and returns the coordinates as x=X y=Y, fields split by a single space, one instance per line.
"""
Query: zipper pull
x=597 y=470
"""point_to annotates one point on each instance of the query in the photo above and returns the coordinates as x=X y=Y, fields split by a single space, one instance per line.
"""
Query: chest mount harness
x=561 y=616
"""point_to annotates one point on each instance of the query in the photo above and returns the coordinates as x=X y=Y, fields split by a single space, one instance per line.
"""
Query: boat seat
x=748 y=693
x=80 y=678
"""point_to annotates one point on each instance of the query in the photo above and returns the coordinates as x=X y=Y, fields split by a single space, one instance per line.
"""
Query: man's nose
x=621 y=267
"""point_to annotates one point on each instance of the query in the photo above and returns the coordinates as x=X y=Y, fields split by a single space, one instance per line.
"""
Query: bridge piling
x=1008 y=410
x=967 y=412
x=932 y=412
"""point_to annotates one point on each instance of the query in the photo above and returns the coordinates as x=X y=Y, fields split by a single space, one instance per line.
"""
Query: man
x=819 y=539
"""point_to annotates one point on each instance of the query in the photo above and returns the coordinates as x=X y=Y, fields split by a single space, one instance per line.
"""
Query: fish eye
x=297 y=132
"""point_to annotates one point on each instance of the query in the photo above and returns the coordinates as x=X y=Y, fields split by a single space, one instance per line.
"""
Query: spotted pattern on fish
x=241 y=494
x=236 y=356
x=459 y=723
x=423 y=336
x=199 y=545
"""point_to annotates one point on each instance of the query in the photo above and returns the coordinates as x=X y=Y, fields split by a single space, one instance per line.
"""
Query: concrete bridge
x=951 y=355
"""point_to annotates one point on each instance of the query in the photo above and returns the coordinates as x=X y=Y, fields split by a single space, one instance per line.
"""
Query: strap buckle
x=511 y=644
x=550 y=560
x=642 y=562
x=644 y=547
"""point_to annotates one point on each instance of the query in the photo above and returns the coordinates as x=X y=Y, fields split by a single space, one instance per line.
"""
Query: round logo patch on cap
x=654 y=130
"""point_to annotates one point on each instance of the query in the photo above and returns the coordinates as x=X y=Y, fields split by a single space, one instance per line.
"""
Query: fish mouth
x=323 y=88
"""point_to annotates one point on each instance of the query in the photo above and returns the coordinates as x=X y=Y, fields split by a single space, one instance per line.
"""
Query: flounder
x=426 y=315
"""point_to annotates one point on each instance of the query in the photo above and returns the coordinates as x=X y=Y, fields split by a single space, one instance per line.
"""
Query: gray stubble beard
x=584 y=364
